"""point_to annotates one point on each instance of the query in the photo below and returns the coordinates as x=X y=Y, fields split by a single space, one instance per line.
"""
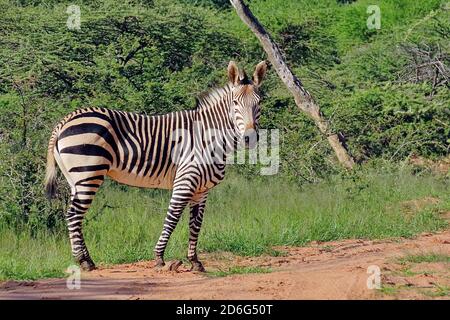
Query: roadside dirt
x=441 y=166
x=331 y=270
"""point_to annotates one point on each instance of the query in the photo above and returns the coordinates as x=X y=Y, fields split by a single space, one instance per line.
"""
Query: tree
x=303 y=98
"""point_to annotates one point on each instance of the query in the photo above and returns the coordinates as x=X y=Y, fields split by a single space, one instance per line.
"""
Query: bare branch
x=302 y=97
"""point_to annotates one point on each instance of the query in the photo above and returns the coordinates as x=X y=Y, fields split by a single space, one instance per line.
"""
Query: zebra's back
x=130 y=148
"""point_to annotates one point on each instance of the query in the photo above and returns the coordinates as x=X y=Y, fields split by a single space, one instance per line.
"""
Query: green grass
x=441 y=291
x=438 y=291
x=389 y=290
x=242 y=216
x=421 y=258
x=239 y=270
x=429 y=257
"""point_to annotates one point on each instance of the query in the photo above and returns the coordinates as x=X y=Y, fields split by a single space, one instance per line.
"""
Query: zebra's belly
x=135 y=180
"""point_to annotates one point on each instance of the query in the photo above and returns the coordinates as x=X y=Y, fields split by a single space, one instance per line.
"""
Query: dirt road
x=332 y=270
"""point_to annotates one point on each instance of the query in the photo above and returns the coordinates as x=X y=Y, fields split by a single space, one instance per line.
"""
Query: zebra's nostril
x=250 y=137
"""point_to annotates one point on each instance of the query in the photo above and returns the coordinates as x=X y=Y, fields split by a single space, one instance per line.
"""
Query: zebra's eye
x=235 y=102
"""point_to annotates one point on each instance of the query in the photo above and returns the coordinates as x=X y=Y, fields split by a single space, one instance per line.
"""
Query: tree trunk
x=303 y=98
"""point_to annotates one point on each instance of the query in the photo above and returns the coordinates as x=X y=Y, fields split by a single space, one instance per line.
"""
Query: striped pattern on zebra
x=184 y=151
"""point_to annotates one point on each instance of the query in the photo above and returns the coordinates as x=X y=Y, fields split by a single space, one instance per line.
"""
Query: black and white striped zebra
x=184 y=151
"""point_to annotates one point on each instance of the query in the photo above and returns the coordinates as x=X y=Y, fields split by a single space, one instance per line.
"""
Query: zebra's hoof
x=87 y=265
x=197 y=266
x=174 y=265
x=159 y=263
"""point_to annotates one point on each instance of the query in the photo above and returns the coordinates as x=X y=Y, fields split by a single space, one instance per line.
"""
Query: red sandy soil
x=331 y=270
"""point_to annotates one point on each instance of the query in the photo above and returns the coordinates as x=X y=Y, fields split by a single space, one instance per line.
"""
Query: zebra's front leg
x=195 y=224
x=181 y=196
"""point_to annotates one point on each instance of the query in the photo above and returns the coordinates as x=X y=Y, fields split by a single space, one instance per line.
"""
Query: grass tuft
x=425 y=258
x=239 y=270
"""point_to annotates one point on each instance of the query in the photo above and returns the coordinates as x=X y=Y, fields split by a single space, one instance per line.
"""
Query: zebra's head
x=245 y=101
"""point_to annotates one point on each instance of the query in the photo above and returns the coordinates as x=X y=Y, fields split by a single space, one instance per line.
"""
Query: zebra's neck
x=215 y=121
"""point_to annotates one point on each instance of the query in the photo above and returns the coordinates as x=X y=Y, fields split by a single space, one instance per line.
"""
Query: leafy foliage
x=156 y=56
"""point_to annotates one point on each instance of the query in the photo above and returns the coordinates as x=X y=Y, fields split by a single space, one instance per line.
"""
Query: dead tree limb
x=303 y=98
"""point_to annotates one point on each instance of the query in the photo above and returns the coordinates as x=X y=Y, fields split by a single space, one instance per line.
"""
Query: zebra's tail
x=50 y=174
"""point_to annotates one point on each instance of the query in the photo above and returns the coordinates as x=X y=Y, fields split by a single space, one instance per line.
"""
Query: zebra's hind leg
x=195 y=224
x=82 y=195
x=181 y=196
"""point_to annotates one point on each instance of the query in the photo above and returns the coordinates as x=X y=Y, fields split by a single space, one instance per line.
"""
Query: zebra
x=170 y=151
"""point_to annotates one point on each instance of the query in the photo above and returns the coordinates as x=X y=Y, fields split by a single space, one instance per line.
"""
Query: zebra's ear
x=260 y=72
x=233 y=73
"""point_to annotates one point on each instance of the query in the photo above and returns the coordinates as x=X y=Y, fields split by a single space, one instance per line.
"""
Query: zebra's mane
x=211 y=97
